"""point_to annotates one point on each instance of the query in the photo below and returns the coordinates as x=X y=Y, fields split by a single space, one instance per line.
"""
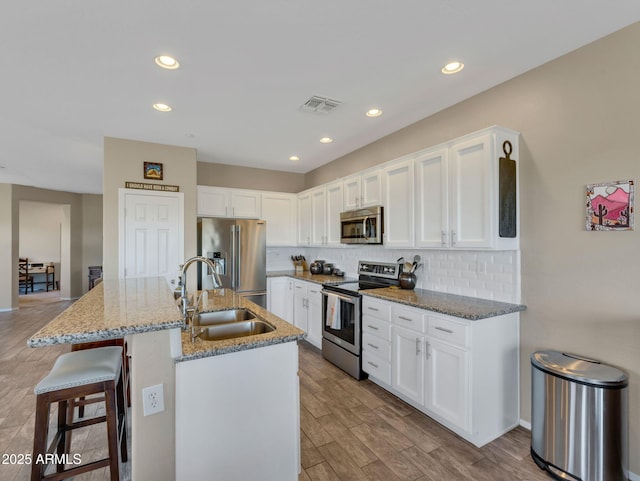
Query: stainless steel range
x=342 y=314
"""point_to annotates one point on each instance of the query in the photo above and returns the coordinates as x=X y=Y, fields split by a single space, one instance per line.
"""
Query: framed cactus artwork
x=610 y=205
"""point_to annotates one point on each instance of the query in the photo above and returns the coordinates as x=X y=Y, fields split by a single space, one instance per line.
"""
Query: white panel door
x=371 y=189
x=432 y=213
x=399 y=222
x=334 y=208
x=153 y=231
x=408 y=365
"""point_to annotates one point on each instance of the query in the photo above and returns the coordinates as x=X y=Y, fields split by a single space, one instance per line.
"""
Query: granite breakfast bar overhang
x=192 y=374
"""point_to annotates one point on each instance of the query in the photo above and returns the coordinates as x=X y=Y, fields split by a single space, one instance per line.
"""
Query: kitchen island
x=145 y=312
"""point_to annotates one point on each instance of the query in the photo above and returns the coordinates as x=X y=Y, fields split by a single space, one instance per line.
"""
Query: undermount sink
x=224 y=317
x=234 y=329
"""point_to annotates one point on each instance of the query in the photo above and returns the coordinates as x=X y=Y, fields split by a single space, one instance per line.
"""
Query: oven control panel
x=379 y=269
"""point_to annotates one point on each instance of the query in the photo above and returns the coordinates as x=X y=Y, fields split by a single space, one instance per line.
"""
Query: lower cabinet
x=307 y=310
x=280 y=297
x=462 y=373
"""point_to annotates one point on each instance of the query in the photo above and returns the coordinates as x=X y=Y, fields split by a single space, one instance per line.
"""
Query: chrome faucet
x=217 y=282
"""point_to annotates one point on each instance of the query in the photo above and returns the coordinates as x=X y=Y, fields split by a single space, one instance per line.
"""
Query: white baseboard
x=8 y=309
x=632 y=476
x=69 y=298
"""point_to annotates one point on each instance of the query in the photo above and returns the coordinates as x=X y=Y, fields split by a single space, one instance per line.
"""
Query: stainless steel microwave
x=362 y=226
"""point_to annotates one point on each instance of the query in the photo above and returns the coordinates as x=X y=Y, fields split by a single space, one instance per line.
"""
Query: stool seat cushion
x=78 y=368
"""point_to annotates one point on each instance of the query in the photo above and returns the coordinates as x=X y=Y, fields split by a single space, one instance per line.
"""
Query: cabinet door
x=245 y=204
x=397 y=185
x=300 y=305
x=318 y=216
x=304 y=219
x=212 y=201
x=447 y=382
x=334 y=207
x=314 y=315
x=432 y=213
x=371 y=189
x=351 y=187
x=408 y=363
x=471 y=186
x=277 y=294
x=280 y=212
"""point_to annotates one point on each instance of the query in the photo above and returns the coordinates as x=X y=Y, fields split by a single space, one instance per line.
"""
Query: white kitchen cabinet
x=224 y=202
x=398 y=202
x=319 y=215
x=362 y=190
x=280 y=211
x=408 y=363
x=307 y=310
x=304 y=218
x=464 y=199
x=447 y=382
x=407 y=346
x=280 y=297
x=464 y=374
x=376 y=340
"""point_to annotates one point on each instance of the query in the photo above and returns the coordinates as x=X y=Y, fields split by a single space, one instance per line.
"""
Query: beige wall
x=578 y=117
x=92 y=235
x=220 y=175
x=40 y=225
x=123 y=161
x=71 y=267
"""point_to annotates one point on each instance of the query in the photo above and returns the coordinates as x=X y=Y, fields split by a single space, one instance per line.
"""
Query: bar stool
x=82 y=401
x=76 y=374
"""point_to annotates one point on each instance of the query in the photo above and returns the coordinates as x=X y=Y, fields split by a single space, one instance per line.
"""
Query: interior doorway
x=43 y=239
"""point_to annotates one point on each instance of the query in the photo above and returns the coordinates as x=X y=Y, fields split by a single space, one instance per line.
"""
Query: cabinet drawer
x=377 y=327
x=375 y=345
x=448 y=330
x=375 y=307
x=408 y=317
x=376 y=367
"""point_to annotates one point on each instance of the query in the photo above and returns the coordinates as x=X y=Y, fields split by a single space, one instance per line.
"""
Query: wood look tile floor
x=357 y=431
x=350 y=430
x=21 y=368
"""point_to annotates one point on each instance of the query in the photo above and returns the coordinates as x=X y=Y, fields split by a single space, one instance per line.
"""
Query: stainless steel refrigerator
x=238 y=246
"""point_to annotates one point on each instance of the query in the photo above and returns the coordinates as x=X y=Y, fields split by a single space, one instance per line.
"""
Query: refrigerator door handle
x=233 y=257
x=239 y=256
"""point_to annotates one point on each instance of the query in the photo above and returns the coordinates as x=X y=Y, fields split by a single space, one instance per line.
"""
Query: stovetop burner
x=372 y=275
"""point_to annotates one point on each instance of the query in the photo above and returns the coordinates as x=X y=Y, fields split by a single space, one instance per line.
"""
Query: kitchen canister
x=407 y=280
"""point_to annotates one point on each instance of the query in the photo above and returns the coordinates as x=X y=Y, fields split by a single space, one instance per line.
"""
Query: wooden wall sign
x=156 y=187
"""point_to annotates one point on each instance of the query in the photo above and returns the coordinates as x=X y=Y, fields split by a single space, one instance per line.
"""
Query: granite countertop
x=225 y=299
x=113 y=309
x=470 y=308
x=317 y=278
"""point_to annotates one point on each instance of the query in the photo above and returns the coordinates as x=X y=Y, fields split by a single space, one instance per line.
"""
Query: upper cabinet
x=398 y=202
x=467 y=192
x=319 y=215
x=280 y=210
x=233 y=203
x=362 y=190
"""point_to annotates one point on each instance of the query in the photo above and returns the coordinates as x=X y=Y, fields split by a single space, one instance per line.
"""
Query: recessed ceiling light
x=452 y=67
x=294 y=158
x=167 y=62
x=326 y=140
x=374 y=113
x=162 y=107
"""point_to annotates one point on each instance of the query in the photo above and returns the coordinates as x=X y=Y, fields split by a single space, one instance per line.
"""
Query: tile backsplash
x=486 y=274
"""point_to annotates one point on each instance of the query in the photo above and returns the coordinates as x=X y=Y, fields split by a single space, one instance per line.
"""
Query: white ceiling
x=76 y=71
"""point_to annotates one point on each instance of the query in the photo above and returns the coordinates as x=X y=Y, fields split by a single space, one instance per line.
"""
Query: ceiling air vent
x=321 y=105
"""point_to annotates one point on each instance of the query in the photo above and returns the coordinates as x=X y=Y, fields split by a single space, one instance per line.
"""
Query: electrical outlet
x=152 y=400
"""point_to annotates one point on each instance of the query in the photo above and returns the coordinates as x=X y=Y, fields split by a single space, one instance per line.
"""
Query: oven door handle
x=351 y=300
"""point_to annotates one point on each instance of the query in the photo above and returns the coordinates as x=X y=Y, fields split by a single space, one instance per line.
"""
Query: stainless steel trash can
x=578 y=417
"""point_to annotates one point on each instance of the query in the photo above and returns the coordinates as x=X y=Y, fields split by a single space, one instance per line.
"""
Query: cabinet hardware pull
x=453 y=238
x=426 y=351
x=372 y=327
x=443 y=329
x=373 y=364
x=443 y=238
x=372 y=345
x=373 y=308
x=405 y=318
x=417 y=346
